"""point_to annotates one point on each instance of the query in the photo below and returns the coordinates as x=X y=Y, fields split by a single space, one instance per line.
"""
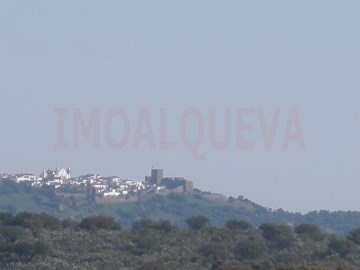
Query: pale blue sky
x=180 y=54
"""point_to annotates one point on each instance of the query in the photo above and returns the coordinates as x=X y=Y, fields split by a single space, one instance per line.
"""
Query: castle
x=170 y=183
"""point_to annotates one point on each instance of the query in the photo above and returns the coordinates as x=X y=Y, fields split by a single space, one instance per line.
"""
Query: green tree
x=36 y=221
x=69 y=223
x=152 y=266
x=278 y=236
x=233 y=265
x=99 y=222
x=164 y=226
x=142 y=224
x=197 y=222
x=355 y=236
x=250 y=249
x=25 y=249
x=5 y=218
x=214 y=251
x=145 y=224
x=312 y=230
x=13 y=233
x=235 y=224
x=29 y=249
x=340 y=246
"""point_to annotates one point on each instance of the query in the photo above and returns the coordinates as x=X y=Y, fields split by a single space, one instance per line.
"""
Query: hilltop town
x=101 y=187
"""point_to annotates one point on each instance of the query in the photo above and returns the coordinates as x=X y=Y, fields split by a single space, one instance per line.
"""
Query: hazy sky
x=177 y=55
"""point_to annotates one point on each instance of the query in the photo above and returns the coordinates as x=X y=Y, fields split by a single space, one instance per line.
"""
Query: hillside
x=15 y=198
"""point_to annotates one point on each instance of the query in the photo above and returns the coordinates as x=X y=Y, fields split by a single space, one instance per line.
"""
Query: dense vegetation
x=40 y=241
x=15 y=198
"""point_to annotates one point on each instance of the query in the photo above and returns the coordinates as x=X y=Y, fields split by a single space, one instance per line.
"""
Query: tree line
x=41 y=241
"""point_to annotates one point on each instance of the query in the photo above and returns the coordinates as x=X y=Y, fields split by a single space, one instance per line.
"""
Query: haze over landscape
x=171 y=56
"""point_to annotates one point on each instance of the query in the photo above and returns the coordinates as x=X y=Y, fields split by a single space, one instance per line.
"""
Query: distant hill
x=15 y=198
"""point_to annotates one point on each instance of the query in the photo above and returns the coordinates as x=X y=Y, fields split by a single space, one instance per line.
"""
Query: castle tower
x=156 y=176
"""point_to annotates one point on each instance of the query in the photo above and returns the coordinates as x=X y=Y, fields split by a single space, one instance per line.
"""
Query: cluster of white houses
x=112 y=186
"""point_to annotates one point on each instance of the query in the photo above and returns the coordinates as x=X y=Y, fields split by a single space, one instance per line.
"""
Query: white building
x=56 y=174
